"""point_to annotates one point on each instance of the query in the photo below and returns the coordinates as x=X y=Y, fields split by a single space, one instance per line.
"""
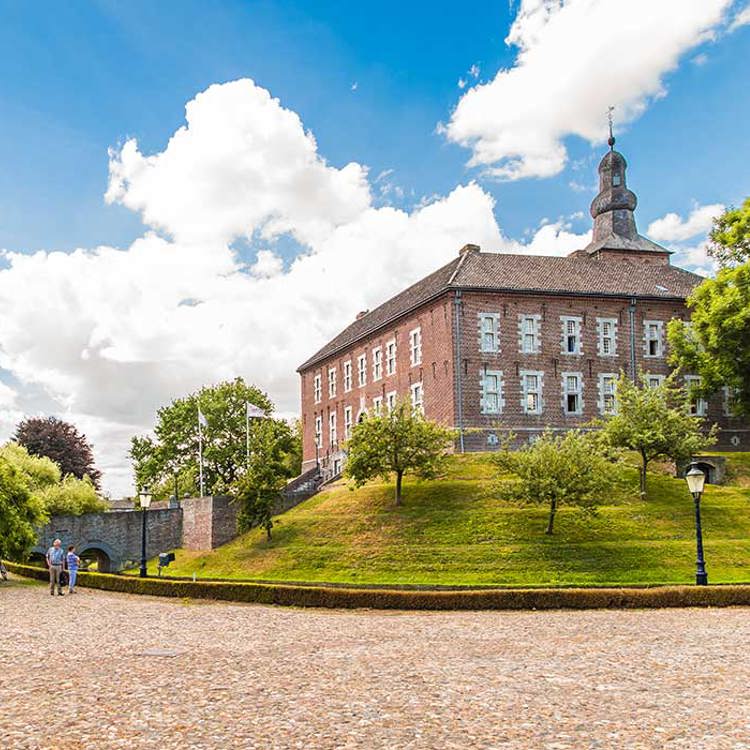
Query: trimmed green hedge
x=351 y=598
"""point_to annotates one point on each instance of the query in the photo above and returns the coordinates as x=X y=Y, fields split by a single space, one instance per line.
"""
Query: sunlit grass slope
x=455 y=531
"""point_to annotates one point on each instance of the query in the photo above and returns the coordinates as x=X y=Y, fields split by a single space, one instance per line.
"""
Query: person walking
x=73 y=561
x=55 y=560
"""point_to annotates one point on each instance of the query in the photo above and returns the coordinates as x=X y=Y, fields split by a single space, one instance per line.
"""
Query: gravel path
x=100 y=670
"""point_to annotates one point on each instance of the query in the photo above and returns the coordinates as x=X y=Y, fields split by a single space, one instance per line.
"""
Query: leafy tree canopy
x=655 y=422
x=396 y=443
x=38 y=472
x=20 y=513
x=730 y=236
x=61 y=442
x=175 y=447
x=72 y=497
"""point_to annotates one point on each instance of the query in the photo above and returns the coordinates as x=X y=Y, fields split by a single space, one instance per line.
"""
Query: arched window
x=616 y=179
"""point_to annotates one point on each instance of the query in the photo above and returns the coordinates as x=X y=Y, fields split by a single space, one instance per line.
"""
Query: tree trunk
x=644 y=465
x=552 y=511
x=268 y=533
x=399 y=475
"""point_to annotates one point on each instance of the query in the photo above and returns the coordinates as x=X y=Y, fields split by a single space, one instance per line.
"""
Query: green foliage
x=396 y=443
x=730 y=236
x=39 y=472
x=272 y=443
x=175 y=448
x=72 y=497
x=716 y=345
x=20 y=513
x=557 y=470
x=656 y=423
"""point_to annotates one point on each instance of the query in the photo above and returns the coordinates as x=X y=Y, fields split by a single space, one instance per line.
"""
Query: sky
x=191 y=192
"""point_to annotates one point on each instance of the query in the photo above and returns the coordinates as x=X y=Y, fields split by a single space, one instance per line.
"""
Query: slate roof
x=572 y=275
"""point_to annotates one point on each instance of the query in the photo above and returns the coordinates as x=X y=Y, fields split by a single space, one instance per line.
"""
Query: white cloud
x=741 y=18
x=673 y=228
x=551 y=238
x=109 y=334
x=575 y=58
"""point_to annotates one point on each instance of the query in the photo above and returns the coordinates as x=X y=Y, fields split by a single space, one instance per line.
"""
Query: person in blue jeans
x=73 y=561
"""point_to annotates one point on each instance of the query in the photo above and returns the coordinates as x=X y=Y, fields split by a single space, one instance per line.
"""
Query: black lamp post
x=145 y=498
x=695 y=479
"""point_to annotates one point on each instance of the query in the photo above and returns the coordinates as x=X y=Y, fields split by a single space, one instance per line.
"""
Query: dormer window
x=616 y=179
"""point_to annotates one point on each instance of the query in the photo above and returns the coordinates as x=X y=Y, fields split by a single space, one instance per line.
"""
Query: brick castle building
x=493 y=343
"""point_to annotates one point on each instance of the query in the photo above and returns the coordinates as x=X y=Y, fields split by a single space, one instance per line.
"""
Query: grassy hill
x=455 y=531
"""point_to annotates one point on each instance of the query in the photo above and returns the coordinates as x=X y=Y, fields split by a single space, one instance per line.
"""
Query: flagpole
x=247 y=436
x=200 y=452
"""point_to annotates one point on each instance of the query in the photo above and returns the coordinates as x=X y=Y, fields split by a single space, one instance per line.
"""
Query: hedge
x=351 y=598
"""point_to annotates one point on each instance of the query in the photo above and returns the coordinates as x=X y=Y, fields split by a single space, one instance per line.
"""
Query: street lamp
x=695 y=479
x=145 y=498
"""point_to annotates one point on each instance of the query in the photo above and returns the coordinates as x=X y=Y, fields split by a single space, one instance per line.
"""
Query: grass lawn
x=456 y=531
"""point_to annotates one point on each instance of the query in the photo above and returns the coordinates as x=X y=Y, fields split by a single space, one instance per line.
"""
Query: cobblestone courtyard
x=99 y=670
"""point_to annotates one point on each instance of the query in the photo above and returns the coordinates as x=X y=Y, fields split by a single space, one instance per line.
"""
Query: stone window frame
x=362 y=370
x=318 y=388
x=698 y=406
x=494 y=319
x=484 y=374
x=390 y=357
x=318 y=430
x=648 y=377
x=565 y=320
x=331 y=382
x=566 y=392
x=347 y=377
x=601 y=337
x=536 y=333
x=377 y=363
x=391 y=399
x=659 y=339
x=415 y=346
x=348 y=422
x=377 y=405
x=332 y=431
x=417 y=397
x=602 y=403
x=526 y=391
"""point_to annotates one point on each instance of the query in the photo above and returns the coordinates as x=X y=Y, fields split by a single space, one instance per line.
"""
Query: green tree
x=20 y=513
x=655 y=422
x=716 y=343
x=175 y=446
x=730 y=235
x=556 y=470
x=39 y=472
x=394 y=444
x=72 y=497
x=267 y=472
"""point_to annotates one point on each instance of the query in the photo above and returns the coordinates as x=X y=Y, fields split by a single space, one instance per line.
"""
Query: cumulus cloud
x=741 y=18
x=673 y=228
x=109 y=335
x=575 y=58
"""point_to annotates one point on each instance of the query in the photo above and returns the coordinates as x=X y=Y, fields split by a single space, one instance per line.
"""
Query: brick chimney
x=361 y=314
x=469 y=249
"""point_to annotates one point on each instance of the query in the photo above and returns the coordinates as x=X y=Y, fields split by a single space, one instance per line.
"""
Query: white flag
x=254 y=411
x=201 y=419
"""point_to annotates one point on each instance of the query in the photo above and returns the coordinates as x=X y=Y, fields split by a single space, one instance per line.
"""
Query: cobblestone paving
x=99 y=670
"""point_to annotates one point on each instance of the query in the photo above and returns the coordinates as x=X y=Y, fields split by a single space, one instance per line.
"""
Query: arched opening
x=96 y=559
x=37 y=559
x=709 y=470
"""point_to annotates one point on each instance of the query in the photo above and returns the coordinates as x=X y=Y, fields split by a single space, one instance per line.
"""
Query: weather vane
x=611 y=139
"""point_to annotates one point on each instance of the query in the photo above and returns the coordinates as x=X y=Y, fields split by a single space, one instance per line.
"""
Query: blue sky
x=431 y=130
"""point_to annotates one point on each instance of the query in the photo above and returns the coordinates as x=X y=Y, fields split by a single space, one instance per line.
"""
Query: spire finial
x=611 y=139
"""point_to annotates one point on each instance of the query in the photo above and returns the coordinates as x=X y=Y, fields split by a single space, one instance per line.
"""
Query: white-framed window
x=415 y=347
x=491 y=392
x=531 y=391
x=606 y=329
x=332 y=382
x=347 y=376
x=390 y=357
x=377 y=363
x=319 y=431
x=698 y=405
x=489 y=332
x=332 y=440
x=572 y=392
x=729 y=402
x=362 y=370
x=607 y=393
x=347 y=422
x=653 y=338
x=390 y=401
x=317 y=388
x=417 y=397
x=377 y=406
x=529 y=341
x=653 y=381
x=571 y=334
